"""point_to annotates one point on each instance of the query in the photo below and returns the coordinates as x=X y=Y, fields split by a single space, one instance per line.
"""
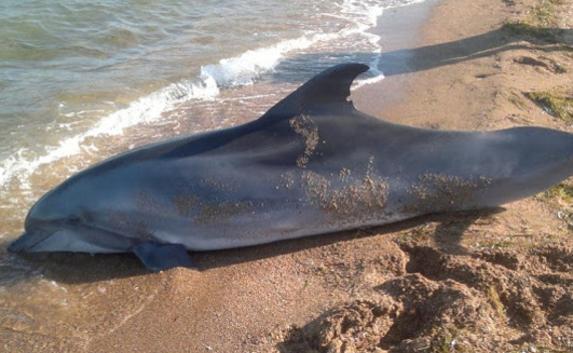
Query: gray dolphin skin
x=311 y=165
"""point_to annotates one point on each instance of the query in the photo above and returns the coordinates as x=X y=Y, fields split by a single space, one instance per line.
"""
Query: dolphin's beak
x=27 y=241
x=59 y=237
x=17 y=245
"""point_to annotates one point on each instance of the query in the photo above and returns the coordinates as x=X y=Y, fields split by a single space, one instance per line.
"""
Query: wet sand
x=476 y=282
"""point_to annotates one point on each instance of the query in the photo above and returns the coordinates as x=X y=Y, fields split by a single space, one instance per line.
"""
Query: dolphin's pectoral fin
x=332 y=86
x=159 y=257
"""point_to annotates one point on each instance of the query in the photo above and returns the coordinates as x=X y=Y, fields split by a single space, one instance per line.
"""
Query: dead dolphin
x=311 y=165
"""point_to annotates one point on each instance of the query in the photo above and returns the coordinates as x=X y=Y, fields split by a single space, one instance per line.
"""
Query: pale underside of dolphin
x=311 y=165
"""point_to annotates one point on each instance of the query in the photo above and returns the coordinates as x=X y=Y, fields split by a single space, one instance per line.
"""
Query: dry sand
x=475 y=282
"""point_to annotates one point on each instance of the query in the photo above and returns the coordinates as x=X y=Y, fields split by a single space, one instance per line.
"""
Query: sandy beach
x=495 y=281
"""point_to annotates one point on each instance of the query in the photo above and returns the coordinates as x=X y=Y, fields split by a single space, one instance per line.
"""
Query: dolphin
x=311 y=165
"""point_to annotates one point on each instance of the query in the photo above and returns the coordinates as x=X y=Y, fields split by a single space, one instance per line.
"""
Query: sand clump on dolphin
x=311 y=165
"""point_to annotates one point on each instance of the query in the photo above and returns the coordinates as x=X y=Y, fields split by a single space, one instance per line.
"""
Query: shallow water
x=80 y=81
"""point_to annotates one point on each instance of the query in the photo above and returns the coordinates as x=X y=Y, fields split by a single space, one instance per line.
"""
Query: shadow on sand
x=397 y=62
x=83 y=268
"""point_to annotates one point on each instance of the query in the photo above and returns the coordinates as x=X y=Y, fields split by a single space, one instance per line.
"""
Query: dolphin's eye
x=75 y=220
x=81 y=217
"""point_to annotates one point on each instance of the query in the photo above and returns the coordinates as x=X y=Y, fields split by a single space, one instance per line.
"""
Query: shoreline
x=399 y=29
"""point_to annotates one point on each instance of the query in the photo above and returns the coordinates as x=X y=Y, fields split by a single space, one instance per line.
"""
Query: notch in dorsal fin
x=328 y=87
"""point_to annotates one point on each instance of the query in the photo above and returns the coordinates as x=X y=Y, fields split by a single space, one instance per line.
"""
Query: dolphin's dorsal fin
x=329 y=87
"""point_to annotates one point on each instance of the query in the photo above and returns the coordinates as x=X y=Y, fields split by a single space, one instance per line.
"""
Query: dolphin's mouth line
x=23 y=242
x=31 y=238
x=107 y=237
x=43 y=230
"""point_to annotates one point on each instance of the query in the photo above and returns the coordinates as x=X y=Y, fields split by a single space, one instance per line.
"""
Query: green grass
x=562 y=192
x=495 y=301
x=523 y=28
x=562 y=195
x=544 y=13
x=540 y=24
x=558 y=105
x=495 y=244
x=444 y=341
